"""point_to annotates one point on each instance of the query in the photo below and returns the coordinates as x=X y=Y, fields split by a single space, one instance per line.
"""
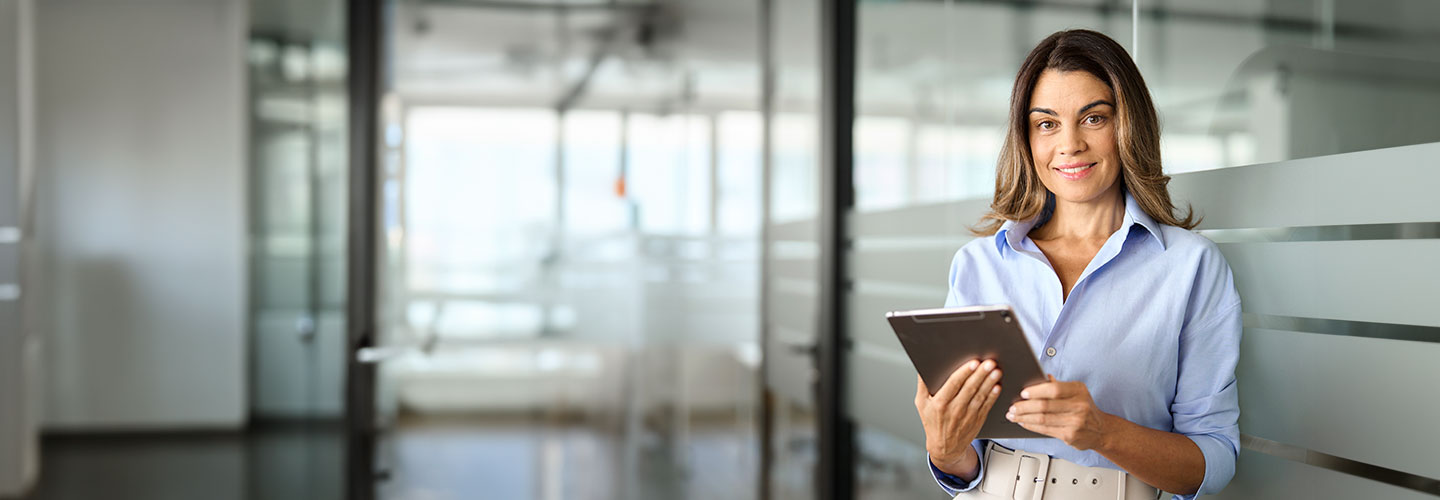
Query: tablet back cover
x=938 y=341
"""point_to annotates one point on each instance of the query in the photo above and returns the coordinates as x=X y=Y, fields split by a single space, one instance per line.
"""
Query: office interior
x=642 y=249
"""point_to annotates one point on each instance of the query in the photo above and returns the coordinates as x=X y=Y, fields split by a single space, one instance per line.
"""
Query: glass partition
x=571 y=255
x=298 y=186
x=1251 y=82
x=1267 y=108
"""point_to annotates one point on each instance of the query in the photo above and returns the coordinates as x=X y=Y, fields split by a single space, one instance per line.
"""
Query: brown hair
x=1019 y=194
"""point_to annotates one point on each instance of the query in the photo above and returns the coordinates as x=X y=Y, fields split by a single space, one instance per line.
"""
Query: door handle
x=810 y=349
x=374 y=355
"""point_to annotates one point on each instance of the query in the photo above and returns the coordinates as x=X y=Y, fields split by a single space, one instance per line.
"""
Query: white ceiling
x=913 y=54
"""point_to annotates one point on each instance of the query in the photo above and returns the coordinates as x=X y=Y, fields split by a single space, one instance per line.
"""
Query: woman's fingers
x=972 y=385
x=990 y=400
x=1051 y=390
x=1029 y=418
x=957 y=379
x=920 y=392
x=1042 y=390
x=983 y=393
x=1048 y=430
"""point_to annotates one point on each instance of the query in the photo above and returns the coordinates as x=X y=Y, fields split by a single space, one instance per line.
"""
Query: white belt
x=1039 y=477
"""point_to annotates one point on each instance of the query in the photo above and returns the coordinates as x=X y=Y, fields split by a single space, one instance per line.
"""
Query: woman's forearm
x=1165 y=460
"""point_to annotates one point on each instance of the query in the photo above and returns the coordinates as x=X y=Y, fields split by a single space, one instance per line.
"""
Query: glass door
x=791 y=286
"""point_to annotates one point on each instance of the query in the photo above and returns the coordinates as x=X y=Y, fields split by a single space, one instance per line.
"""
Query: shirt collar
x=1137 y=215
x=1011 y=233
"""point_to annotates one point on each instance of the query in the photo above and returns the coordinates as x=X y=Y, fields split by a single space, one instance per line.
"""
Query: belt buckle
x=1037 y=479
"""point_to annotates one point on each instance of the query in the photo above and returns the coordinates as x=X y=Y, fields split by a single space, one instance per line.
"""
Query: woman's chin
x=1089 y=192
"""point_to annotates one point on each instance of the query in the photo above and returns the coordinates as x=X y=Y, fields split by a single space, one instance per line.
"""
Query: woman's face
x=1072 y=135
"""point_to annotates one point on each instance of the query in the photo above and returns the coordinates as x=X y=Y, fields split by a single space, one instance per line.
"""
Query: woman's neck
x=1095 y=219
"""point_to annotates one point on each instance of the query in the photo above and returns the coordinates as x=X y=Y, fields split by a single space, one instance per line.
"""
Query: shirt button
x=1050 y=351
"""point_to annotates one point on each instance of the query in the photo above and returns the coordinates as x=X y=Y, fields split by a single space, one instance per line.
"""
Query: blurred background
x=641 y=249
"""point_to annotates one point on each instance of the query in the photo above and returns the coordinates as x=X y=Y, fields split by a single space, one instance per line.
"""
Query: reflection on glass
x=298 y=198
x=794 y=167
x=738 y=161
x=668 y=175
x=1275 y=81
x=933 y=87
x=792 y=247
x=481 y=197
x=594 y=200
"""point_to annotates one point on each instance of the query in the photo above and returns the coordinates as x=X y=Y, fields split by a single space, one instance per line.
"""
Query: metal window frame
x=765 y=411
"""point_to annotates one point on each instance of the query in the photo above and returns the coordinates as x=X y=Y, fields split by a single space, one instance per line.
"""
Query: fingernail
x=989 y=364
x=1024 y=394
x=1010 y=417
x=995 y=390
x=970 y=365
x=995 y=375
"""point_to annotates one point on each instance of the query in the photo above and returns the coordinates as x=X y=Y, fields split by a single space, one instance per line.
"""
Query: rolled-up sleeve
x=1206 y=408
x=954 y=485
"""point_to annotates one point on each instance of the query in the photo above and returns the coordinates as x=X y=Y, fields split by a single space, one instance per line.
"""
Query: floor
x=300 y=460
x=515 y=458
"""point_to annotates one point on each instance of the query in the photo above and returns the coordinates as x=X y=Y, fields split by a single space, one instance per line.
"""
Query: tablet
x=938 y=341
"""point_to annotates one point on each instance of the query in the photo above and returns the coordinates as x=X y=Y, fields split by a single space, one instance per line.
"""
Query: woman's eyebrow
x=1087 y=107
x=1096 y=103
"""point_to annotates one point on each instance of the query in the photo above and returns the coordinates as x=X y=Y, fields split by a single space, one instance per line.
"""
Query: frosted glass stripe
x=793 y=311
x=1259 y=475
x=1396 y=185
x=799 y=269
x=866 y=314
x=801 y=230
x=1358 y=398
x=1385 y=281
x=881 y=392
x=923 y=266
x=790 y=373
x=929 y=220
x=1341 y=464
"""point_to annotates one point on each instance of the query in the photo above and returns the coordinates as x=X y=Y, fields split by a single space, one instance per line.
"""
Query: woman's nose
x=1071 y=143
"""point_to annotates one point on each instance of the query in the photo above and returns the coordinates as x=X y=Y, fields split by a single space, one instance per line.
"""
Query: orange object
x=620 y=187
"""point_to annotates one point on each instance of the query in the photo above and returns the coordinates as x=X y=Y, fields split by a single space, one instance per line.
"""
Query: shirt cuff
x=1219 y=464
x=953 y=484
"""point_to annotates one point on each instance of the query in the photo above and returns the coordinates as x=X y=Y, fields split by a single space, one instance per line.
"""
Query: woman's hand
x=1062 y=410
x=953 y=416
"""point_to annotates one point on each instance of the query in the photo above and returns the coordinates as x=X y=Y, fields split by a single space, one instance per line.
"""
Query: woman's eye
x=1046 y=125
x=1094 y=120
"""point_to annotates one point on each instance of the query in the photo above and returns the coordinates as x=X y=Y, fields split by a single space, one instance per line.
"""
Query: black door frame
x=364 y=35
x=834 y=474
x=837 y=198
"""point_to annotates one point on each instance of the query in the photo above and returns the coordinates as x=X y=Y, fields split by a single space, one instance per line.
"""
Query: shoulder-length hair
x=1019 y=194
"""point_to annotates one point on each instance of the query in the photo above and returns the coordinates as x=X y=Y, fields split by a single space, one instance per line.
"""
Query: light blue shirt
x=1152 y=328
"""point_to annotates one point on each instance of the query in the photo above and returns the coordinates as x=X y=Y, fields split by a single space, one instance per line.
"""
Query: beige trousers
x=1021 y=475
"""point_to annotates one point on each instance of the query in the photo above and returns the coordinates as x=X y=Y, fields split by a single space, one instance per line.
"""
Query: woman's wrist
x=966 y=466
x=1112 y=432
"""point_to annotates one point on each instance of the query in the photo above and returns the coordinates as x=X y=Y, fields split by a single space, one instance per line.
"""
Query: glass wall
x=298 y=185
x=792 y=250
x=20 y=398
x=571 y=221
x=1266 y=91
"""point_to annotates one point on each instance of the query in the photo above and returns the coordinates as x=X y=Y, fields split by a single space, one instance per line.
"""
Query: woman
x=1134 y=317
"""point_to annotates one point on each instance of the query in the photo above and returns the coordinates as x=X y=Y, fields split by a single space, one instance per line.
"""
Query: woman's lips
x=1076 y=172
